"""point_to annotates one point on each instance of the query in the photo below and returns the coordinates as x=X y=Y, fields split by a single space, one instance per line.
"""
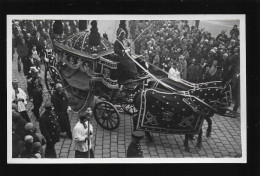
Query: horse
x=207 y=99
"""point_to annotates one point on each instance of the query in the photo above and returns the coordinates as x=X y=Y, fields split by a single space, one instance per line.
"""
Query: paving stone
x=121 y=142
x=98 y=155
x=178 y=155
x=106 y=146
x=106 y=155
x=98 y=147
x=106 y=150
x=121 y=150
x=218 y=155
x=121 y=155
x=224 y=153
x=153 y=153
x=146 y=156
x=98 y=152
x=230 y=150
x=63 y=154
x=160 y=151
x=64 y=149
x=113 y=149
x=162 y=155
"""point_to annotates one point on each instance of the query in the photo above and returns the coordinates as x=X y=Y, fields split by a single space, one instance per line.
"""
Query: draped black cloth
x=167 y=112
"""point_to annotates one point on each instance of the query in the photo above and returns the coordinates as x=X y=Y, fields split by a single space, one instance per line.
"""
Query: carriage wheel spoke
x=110 y=122
x=102 y=122
x=107 y=122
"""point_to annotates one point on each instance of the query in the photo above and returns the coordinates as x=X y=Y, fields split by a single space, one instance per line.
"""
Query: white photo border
x=240 y=17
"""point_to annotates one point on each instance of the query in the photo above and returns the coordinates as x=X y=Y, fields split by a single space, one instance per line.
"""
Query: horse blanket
x=167 y=112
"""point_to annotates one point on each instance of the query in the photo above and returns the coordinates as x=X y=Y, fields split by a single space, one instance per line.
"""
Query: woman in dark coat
x=60 y=103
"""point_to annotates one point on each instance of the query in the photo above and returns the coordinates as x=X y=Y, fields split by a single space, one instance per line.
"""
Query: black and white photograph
x=126 y=89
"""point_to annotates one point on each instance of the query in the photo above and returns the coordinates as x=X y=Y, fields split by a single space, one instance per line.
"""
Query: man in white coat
x=19 y=98
x=80 y=137
x=174 y=74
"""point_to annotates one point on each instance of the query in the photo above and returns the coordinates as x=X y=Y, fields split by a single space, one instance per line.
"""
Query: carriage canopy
x=82 y=62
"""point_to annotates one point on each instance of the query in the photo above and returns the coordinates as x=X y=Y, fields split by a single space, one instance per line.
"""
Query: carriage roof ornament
x=84 y=44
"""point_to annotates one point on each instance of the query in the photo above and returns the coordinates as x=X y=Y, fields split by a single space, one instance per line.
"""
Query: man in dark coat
x=127 y=68
x=39 y=42
x=60 y=103
x=29 y=41
x=234 y=32
x=30 y=64
x=50 y=129
x=134 y=149
x=191 y=71
x=36 y=93
x=22 y=51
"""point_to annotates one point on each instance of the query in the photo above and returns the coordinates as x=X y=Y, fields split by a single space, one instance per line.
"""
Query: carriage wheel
x=106 y=115
x=52 y=77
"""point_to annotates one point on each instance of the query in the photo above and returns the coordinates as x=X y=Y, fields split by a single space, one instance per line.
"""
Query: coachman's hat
x=138 y=135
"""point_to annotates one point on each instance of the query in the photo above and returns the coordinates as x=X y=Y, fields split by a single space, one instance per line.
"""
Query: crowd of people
x=189 y=53
x=194 y=53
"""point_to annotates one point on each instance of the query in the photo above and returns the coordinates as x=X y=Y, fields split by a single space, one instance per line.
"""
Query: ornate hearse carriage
x=86 y=71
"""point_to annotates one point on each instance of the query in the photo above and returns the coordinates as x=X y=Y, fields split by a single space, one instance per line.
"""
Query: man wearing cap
x=134 y=149
x=19 y=98
x=60 y=103
x=81 y=137
x=50 y=129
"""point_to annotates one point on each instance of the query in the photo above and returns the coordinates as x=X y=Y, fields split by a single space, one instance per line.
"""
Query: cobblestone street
x=225 y=140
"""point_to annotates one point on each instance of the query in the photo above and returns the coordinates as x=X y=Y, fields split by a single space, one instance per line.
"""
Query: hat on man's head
x=28 y=138
x=58 y=85
x=138 y=135
x=212 y=51
x=29 y=127
x=14 y=81
x=16 y=116
x=48 y=104
x=37 y=146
